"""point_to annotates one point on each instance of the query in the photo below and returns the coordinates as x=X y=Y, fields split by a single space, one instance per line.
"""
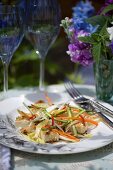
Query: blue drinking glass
x=11 y=34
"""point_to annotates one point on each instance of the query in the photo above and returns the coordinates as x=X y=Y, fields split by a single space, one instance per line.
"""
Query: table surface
x=99 y=159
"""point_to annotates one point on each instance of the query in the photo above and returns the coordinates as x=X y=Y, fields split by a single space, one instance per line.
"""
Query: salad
x=46 y=122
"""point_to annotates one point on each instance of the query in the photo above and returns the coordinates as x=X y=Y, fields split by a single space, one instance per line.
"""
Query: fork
x=90 y=103
x=80 y=99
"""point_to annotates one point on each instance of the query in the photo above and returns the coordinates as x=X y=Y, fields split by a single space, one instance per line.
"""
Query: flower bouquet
x=91 y=41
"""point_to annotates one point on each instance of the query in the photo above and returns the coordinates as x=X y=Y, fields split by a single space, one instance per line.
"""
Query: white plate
x=102 y=135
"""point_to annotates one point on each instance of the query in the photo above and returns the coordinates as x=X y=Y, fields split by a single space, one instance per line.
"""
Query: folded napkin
x=5 y=158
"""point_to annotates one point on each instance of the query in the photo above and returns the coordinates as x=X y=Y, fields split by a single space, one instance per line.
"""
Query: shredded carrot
x=64 y=107
x=46 y=126
x=91 y=121
x=65 y=134
x=32 y=117
x=83 y=120
x=48 y=99
x=79 y=118
x=85 y=114
x=53 y=121
x=75 y=110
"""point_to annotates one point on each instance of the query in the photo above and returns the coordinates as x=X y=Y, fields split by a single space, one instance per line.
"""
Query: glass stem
x=5 y=77
x=41 y=78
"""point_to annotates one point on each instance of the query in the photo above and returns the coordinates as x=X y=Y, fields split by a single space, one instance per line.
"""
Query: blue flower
x=111 y=46
x=81 y=12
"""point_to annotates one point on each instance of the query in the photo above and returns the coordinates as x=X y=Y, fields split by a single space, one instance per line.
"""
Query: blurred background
x=24 y=66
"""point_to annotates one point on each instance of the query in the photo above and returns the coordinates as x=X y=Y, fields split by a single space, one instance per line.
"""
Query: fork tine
x=67 y=87
x=72 y=88
x=75 y=90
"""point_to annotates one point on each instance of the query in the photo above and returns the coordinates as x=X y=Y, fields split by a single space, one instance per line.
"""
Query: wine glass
x=11 y=34
x=43 y=22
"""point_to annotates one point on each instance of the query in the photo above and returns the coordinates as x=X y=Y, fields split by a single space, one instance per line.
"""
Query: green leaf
x=96 y=51
x=97 y=20
x=96 y=37
x=107 y=9
x=87 y=39
x=104 y=30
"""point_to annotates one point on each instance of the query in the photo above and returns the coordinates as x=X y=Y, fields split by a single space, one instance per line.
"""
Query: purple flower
x=109 y=2
x=83 y=56
x=80 y=53
x=76 y=34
